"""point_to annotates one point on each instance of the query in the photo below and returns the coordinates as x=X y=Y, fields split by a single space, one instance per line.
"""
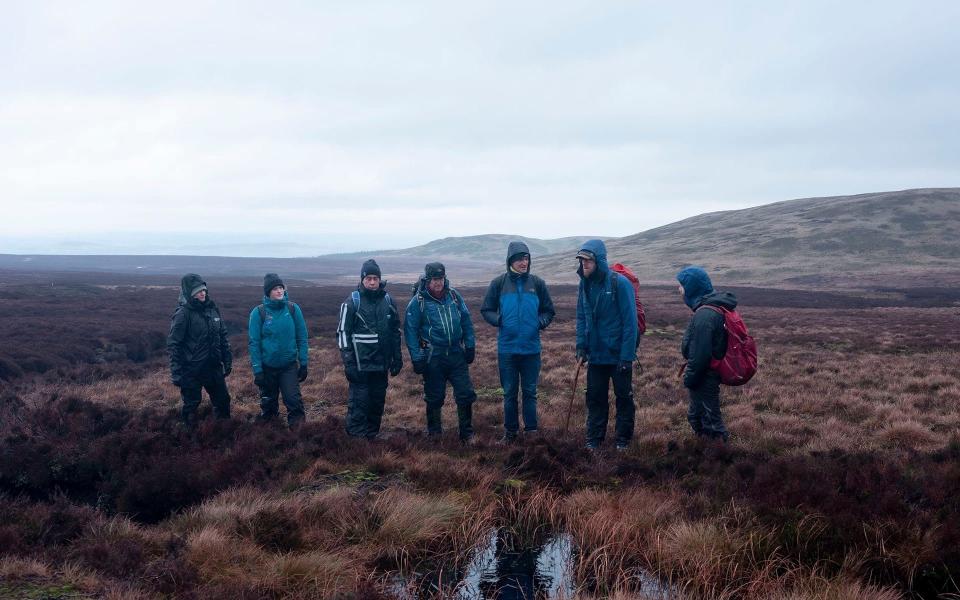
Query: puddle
x=503 y=569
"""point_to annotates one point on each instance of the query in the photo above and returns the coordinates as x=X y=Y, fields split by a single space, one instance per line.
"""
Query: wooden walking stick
x=573 y=394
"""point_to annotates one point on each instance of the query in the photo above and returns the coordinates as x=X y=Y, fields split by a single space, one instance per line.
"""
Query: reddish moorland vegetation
x=841 y=480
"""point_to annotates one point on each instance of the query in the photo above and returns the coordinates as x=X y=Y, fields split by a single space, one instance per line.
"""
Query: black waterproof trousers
x=365 y=404
x=598 y=407
x=442 y=368
x=281 y=381
x=704 y=410
x=211 y=379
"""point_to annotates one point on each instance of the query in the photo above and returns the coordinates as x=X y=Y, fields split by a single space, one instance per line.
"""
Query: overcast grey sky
x=304 y=127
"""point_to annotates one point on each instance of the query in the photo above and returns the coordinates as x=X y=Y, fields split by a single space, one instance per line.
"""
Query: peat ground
x=841 y=480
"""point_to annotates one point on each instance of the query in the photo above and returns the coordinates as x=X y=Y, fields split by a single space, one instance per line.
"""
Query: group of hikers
x=439 y=335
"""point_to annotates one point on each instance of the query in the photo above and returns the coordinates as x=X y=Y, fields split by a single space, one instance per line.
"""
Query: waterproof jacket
x=606 y=312
x=281 y=338
x=443 y=325
x=519 y=305
x=198 y=338
x=706 y=336
x=369 y=336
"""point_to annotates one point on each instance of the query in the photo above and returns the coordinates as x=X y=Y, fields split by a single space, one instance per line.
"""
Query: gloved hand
x=469 y=354
x=302 y=373
x=419 y=366
x=352 y=372
x=542 y=322
x=395 y=367
x=581 y=355
x=624 y=367
x=259 y=380
x=176 y=381
x=227 y=369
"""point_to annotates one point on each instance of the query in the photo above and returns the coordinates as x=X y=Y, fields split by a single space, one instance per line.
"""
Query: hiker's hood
x=696 y=284
x=599 y=250
x=515 y=248
x=722 y=299
x=190 y=284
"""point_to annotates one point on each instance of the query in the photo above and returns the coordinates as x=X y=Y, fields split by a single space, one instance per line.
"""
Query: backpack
x=625 y=271
x=355 y=296
x=739 y=364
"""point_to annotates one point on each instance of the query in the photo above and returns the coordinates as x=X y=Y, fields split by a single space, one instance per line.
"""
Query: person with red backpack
x=607 y=341
x=704 y=346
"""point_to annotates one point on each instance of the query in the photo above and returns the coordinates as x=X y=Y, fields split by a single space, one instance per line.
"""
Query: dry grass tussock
x=840 y=480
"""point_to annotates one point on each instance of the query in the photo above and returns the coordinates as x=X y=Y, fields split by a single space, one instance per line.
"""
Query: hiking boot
x=592 y=446
x=623 y=446
x=469 y=440
x=263 y=418
x=507 y=439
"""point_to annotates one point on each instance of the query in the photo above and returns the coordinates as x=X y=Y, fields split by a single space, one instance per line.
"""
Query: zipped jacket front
x=443 y=326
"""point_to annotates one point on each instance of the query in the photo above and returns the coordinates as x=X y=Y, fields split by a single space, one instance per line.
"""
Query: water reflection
x=506 y=569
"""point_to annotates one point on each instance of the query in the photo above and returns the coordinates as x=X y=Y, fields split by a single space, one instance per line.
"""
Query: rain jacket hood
x=696 y=285
x=599 y=249
x=188 y=283
x=515 y=248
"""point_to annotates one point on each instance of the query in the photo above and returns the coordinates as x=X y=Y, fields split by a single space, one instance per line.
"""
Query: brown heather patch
x=840 y=480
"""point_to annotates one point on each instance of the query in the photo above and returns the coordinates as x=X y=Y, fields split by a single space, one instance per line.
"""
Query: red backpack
x=739 y=364
x=641 y=318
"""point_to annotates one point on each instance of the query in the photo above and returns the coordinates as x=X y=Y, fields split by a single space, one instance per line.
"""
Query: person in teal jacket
x=440 y=338
x=278 y=351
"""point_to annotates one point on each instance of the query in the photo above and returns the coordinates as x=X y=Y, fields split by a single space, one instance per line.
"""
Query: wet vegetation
x=840 y=481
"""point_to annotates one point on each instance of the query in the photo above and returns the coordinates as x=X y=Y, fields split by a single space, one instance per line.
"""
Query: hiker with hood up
x=279 y=352
x=519 y=306
x=199 y=350
x=440 y=339
x=368 y=335
x=607 y=342
x=705 y=339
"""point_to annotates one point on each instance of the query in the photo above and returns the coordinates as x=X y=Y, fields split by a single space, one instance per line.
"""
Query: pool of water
x=505 y=568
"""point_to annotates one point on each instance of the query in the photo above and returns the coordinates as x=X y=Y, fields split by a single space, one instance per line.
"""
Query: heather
x=840 y=481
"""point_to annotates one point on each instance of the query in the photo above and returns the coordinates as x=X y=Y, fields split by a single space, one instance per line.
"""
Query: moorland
x=840 y=481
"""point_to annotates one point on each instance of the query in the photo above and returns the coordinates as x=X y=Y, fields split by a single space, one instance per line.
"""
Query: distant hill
x=479 y=248
x=812 y=241
x=468 y=259
x=870 y=240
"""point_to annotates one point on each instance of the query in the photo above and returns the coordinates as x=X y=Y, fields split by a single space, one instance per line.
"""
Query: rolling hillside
x=481 y=248
x=812 y=241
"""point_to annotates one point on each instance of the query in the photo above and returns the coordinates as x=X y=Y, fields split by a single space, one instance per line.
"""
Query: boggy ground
x=840 y=481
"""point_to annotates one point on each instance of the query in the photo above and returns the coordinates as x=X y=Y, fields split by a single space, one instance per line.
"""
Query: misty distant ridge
x=803 y=242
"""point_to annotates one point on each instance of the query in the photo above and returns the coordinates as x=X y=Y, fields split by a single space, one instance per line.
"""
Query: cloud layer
x=343 y=125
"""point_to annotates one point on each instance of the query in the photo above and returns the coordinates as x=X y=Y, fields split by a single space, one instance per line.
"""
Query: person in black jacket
x=368 y=336
x=199 y=350
x=704 y=340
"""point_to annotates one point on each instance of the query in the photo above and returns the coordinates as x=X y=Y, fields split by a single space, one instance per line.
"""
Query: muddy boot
x=465 y=422
x=434 y=421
